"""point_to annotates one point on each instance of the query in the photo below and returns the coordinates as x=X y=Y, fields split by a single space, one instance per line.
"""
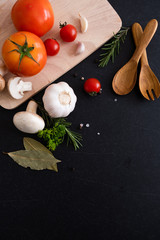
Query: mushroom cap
x=28 y=122
x=17 y=87
x=12 y=87
x=3 y=68
x=2 y=83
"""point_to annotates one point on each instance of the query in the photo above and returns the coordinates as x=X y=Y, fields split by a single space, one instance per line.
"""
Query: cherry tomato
x=52 y=46
x=68 y=32
x=24 y=54
x=33 y=16
x=92 y=86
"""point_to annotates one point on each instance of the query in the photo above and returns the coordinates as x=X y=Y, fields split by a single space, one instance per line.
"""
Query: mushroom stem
x=24 y=87
x=17 y=87
x=32 y=107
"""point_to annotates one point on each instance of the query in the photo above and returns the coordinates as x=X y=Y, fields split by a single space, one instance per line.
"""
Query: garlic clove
x=84 y=23
x=80 y=48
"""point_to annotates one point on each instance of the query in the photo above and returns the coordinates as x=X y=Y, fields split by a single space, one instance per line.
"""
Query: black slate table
x=110 y=188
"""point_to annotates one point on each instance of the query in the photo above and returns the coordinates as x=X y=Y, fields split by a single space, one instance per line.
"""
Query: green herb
x=112 y=48
x=55 y=135
x=56 y=130
x=36 y=156
x=74 y=138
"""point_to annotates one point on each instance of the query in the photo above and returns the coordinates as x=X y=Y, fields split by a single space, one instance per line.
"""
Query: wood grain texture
x=103 y=22
x=148 y=82
x=125 y=79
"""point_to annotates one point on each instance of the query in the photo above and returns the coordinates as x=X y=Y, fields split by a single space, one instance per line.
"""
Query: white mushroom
x=17 y=87
x=28 y=121
x=59 y=100
x=2 y=83
x=3 y=68
x=3 y=71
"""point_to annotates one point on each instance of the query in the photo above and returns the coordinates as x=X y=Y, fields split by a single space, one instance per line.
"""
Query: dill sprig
x=55 y=131
x=112 y=48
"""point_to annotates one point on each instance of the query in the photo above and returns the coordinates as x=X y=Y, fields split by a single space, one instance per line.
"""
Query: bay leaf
x=32 y=144
x=36 y=160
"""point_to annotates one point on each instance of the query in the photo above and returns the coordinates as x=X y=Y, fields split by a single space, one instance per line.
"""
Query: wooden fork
x=148 y=83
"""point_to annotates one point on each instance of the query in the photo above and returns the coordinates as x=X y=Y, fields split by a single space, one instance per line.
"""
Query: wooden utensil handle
x=147 y=35
x=137 y=32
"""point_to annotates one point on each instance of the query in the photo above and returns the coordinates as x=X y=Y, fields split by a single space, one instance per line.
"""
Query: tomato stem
x=23 y=50
x=62 y=25
x=92 y=94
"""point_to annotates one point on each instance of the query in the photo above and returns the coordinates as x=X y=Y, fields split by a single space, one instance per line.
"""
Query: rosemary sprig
x=56 y=129
x=112 y=48
x=74 y=138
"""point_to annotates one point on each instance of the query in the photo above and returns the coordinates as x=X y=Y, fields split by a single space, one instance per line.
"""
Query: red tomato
x=24 y=54
x=52 y=46
x=92 y=86
x=68 y=32
x=33 y=16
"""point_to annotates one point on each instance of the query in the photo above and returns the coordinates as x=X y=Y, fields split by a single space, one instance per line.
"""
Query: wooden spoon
x=125 y=79
x=148 y=82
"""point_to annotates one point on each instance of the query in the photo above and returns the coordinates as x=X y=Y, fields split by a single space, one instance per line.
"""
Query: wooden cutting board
x=103 y=22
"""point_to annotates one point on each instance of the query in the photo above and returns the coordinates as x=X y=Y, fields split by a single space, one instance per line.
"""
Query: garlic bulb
x=84 y=23
x=59 y=100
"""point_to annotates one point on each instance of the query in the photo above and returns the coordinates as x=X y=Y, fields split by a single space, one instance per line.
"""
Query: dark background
x=114 y=191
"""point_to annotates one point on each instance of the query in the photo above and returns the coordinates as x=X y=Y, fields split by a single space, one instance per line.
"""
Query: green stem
x=112 y=48
x=23 y=50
